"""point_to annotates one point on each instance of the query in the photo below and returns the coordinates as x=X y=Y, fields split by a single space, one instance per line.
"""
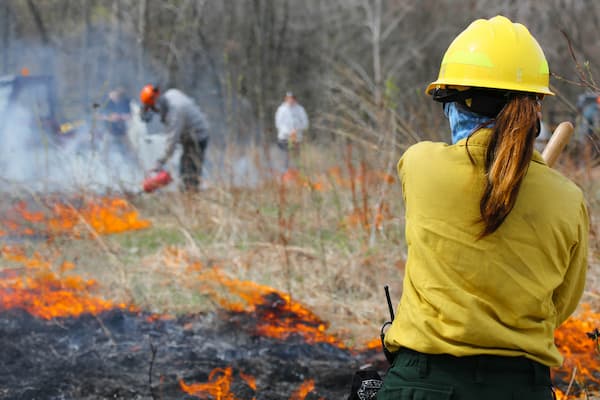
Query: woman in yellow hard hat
x=497 y=240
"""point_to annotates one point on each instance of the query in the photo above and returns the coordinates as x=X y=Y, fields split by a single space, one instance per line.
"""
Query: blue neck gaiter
x=462 y=121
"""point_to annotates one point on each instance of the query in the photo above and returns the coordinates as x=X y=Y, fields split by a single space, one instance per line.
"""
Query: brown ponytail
x=507 y=159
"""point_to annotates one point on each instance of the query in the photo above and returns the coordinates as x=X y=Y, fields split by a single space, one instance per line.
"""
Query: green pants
x=417 y=376
x=191 y=162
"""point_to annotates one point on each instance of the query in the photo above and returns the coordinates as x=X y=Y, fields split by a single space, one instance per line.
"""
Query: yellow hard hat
x=494 y=53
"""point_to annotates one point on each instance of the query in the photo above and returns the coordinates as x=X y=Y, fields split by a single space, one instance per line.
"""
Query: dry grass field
x=330 y=236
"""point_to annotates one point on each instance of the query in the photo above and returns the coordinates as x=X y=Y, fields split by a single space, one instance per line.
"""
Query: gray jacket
x=183 y=119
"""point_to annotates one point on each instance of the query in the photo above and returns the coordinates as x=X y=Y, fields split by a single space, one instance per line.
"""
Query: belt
x=480 y=367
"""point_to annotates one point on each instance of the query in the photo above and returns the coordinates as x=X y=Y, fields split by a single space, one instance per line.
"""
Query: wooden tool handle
x=561 y=136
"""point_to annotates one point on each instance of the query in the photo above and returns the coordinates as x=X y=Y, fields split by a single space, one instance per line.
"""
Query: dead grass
x=311 y=238
x=307 y=237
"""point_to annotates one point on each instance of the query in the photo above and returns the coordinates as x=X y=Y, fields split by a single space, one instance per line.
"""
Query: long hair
x=507 y=159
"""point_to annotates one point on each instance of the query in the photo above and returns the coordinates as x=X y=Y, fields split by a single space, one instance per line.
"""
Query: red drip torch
x=156 y=180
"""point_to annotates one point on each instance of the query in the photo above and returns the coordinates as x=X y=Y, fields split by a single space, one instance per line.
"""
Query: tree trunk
x=6 y=36
x=259 y=86
x=85 y=52
x=375 y=24
x=47 y=57
x=141 y=39
x=39 y=23
x=115 y=36
x=172 y=61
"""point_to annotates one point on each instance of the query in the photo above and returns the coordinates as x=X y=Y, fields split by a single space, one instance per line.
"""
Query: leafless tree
x=357 y=65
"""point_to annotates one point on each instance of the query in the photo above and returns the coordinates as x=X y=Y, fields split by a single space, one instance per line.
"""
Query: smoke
x=33 y=158
x=35 y=155
x=90 y=159
x=39 y=160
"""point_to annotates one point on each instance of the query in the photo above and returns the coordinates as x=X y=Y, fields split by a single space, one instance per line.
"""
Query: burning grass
x=217 y=387
x=219 y=384
x=35 y=288
x=578 y=340
x=276 y=314
x=307 y=255
x=41 y=292
x=40 y=289
x=78 y=218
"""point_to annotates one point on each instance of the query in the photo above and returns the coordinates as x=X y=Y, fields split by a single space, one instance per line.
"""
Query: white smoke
x=33 y=160
x=90 y=161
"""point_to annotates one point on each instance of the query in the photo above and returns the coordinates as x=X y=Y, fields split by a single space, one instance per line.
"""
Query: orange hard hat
x=149 y=94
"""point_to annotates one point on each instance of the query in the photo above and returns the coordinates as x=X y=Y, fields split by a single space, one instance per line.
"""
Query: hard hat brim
x=489 y=85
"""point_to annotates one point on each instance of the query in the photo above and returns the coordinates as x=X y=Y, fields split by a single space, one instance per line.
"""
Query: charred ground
x=124 y=355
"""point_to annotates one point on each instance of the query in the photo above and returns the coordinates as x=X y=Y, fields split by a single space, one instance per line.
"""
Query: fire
x=578 y=340
x=305 y=388
x=277 y=316
x=219 y=382
x=37 y=288
x=103 y=215
x=575 y=340
x=294 y=177
x=44 y=294
x=334 y=176
x=368 y=177
x=249 y=379
x=373 y=344
x=365 y=217
x=217 y=387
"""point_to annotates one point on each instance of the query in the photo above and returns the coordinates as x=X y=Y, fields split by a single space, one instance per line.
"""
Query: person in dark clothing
x=115 y=114
x=186 y=125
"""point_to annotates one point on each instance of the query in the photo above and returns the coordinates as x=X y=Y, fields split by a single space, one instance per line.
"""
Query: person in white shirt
x=291 y=122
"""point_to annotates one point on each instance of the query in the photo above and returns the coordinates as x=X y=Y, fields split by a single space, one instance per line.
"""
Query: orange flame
x=219 y=382
x=44 y=294
x=217 y=387
x=296 y=178
x=100 y=215
x=360 y=217
x=579 y=350
x=581 y=353
x=370 y=177
x=37 y=289
x=373 y=344
x=305 y=388
x=278 y=316
x=335 y=176
x=249 y=379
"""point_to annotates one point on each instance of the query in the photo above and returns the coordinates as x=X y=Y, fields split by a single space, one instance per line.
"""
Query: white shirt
x=289 y=118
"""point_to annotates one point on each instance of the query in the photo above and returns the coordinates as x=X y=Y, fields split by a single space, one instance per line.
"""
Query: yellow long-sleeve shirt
x=504 y=294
